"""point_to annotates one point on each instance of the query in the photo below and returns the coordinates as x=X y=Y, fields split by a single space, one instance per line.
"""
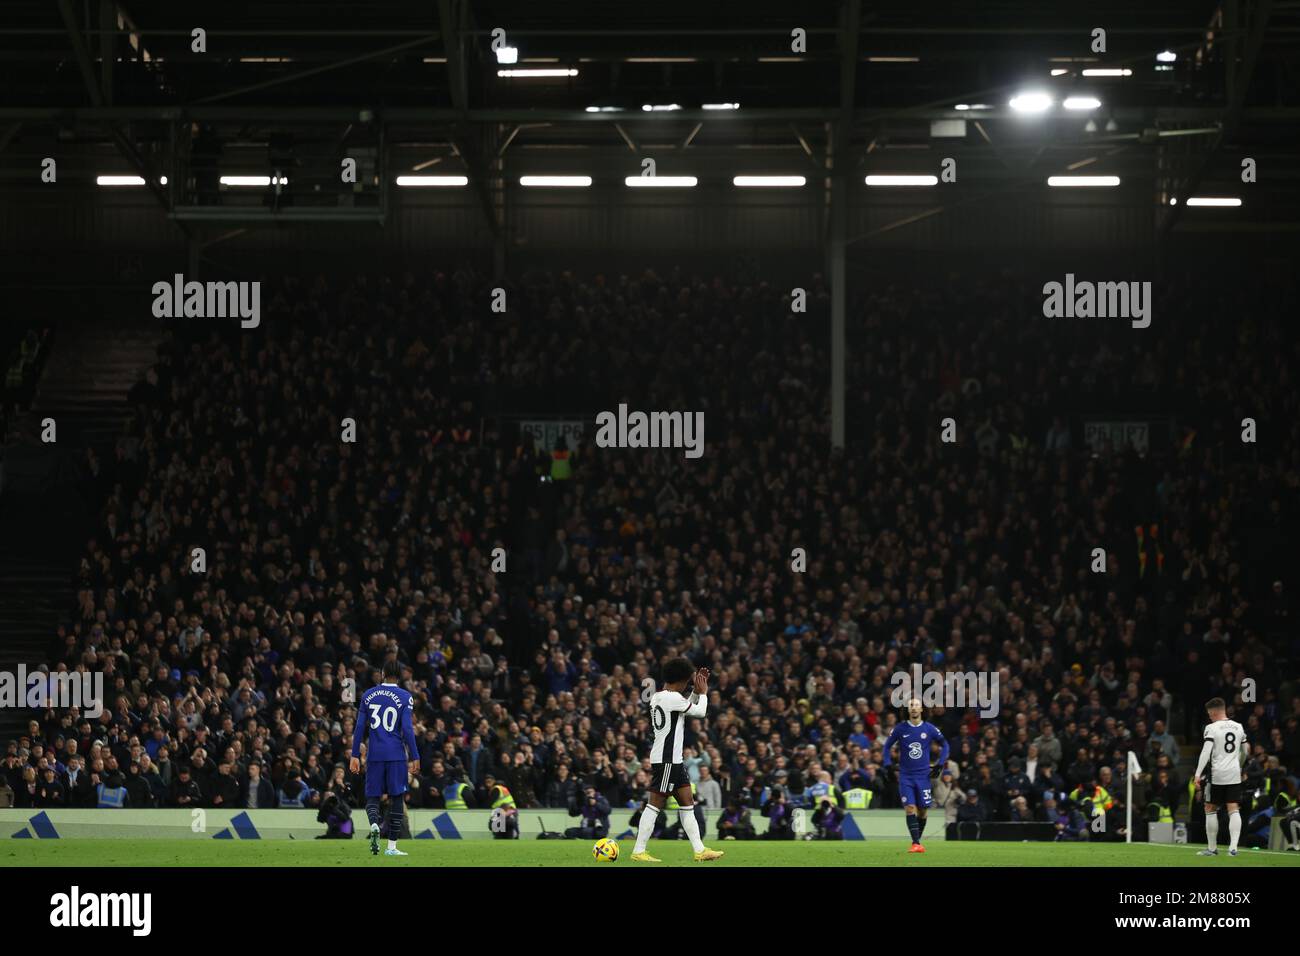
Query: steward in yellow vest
x=857 y=799
x=498 y=793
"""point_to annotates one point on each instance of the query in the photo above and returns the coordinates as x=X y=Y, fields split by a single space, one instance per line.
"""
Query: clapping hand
x=702 y=681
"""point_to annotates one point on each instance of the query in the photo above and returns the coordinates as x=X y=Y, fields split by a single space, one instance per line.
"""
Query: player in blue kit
x=914 y=737
x=384 y=715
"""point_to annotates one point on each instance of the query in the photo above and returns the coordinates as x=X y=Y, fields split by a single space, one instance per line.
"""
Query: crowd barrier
x=301 y=824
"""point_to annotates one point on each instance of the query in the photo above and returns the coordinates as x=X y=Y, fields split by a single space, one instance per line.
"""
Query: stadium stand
x=323 y=558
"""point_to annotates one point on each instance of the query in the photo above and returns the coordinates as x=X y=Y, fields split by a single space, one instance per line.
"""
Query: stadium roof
x=422 y=82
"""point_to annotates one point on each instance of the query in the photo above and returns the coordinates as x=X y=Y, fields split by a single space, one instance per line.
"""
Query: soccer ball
x=605 y=850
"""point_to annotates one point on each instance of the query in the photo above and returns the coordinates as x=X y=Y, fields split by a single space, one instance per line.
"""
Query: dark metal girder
x=123 y=142
x=783 y=116
x=1232 y=116
x=317 y=70
x=465 y=131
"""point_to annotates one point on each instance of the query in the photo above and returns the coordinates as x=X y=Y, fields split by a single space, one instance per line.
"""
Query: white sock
x=691 y=826
x=646 y=828
x=1295 y=834
x=1212 y=830
x=392 y=844
x=1234 y=829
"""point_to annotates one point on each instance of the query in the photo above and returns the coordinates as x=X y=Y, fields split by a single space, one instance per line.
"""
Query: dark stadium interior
x=325 y=557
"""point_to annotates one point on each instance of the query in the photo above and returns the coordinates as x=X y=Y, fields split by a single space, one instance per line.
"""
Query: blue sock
x=394 y=821
x=914 y=827
x=372 y=810
x=920 y=826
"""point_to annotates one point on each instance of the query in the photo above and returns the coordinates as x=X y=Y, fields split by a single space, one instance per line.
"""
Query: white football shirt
x=667 y=708
x=1224 y=750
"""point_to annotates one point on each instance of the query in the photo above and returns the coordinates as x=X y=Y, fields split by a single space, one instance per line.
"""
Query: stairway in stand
x=45 y=519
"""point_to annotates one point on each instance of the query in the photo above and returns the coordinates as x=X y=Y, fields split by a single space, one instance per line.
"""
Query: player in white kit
x=669 y=711
x=1225 y=752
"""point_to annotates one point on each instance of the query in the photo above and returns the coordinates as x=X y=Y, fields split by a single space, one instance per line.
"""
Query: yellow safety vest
x=453 y=796
x=1163 y=813
x=819 y=790
x=1100 y=798
x=857 y=799
x=503 y=797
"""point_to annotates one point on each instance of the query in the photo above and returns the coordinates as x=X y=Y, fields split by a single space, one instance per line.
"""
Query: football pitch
x=550 y=853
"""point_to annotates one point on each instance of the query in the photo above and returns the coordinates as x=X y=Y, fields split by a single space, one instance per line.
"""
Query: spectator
x=255 y=791
x=708 y=792
x=184 y=791
x=973 y=809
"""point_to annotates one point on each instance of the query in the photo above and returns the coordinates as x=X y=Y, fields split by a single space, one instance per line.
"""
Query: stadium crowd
x=230 y=681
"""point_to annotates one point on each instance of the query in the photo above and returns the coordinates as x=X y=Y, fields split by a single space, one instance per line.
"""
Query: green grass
x=354 y=853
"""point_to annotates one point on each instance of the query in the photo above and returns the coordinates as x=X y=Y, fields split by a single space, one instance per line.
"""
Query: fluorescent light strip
x=508 y=55
x=555 y=181
x=432 y=180
x=1166 y=56
x=119 y=180
x=253 y=181
x=1060 y=72
x=659 y=59
x=1081 y=103
x=1083 y=180
x=721 y=106
x=893 y=59
x=973 y=106
x=538 y=72
x=659 y=107
x=897 y=180
x=774 y=181
x=1108 y=72
x=1030 y=102
x=660 y=181
x=1214 y=201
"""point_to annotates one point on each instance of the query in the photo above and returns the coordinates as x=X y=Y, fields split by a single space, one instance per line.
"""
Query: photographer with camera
x=780 y=816
x=336 y=813
x=735 y=822
x=594 y=810
x=828 y=819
